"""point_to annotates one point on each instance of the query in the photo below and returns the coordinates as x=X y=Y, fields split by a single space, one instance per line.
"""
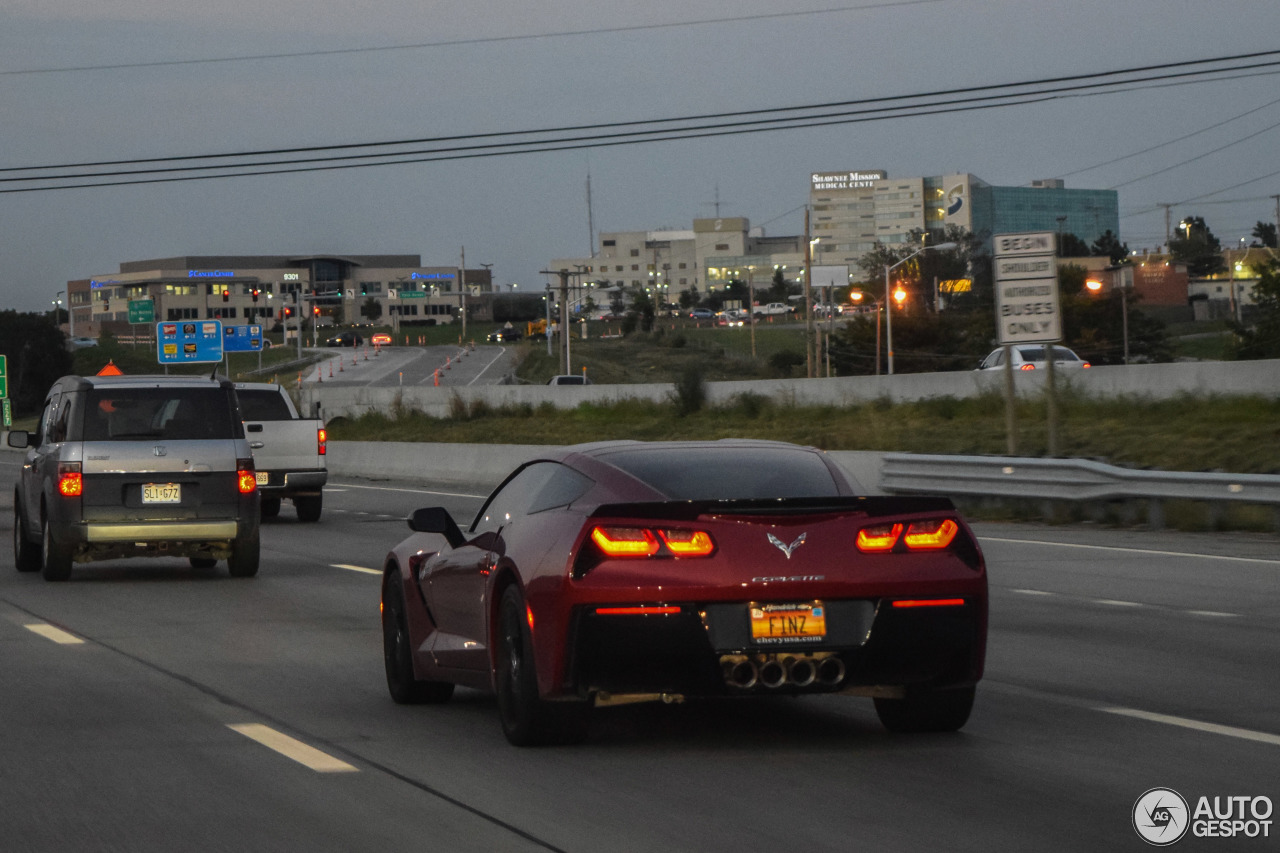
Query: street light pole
x=888 y=306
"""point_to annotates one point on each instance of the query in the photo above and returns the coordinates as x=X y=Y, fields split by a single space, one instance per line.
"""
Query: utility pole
x=808 y=299
x=1277 y=200
x=564 y=317
x=1168 y=224
x=462 y=292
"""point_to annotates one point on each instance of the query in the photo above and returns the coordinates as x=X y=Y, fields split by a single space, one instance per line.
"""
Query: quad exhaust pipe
x=743 y=673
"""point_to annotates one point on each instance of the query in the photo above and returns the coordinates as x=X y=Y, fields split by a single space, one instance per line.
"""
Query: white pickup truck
x=771 y=310
x=288 y=450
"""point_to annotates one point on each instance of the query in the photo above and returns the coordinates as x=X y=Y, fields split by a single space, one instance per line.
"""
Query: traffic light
x=226 y=295
x=315 y=309
x=364 y=289
x=255 y=294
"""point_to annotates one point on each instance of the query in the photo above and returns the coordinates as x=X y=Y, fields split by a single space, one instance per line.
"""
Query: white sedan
x=1032 y=357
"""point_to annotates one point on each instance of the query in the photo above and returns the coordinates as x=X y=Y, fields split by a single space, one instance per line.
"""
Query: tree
x=1109 y=246
x=37 y=356
x=966 y=260
x=1264 y=234
x=779 y=289
x=1197 y=247
x=922 y=342
x=1071 y=246
x=1262 y=340
x=371 y=309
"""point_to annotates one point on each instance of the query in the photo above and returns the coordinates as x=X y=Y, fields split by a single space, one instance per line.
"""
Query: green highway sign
x=4 y=377
x=142 y=311
x=413 y=294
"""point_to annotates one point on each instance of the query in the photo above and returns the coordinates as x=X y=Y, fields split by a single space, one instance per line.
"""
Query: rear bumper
x=286 y=483
x=693 y=652
x=160 y=530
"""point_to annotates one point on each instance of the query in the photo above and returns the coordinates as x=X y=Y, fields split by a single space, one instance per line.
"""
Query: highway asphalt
x=148 y=706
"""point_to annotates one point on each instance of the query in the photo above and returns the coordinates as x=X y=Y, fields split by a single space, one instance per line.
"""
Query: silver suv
x=136 y=466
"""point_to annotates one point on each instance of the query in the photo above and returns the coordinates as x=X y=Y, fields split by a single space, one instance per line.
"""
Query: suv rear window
x=263 y=406
x=730 y=473
x=136 y=414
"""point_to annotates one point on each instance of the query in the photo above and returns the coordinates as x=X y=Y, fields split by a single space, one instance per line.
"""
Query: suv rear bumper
x=160 y=531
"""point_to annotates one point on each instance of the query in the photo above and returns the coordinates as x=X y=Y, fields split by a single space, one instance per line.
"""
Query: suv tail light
x=246 y=480
x=70 y=481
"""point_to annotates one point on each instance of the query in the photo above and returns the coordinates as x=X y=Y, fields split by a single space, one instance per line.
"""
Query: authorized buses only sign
x=1028 y=310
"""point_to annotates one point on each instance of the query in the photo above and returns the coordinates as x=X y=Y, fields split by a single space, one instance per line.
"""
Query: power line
x=469 y=41
x=623 y=133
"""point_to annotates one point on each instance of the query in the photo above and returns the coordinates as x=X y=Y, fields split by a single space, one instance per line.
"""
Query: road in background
x=1118 y=661
x=384 y=367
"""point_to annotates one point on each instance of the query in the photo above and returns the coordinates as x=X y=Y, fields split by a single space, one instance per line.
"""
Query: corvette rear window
x=729 y=473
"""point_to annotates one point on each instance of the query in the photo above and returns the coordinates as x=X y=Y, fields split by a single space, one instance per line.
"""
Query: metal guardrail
x=1079 y=480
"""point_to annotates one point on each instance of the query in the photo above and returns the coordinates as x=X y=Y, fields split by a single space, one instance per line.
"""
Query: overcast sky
x=488 y=66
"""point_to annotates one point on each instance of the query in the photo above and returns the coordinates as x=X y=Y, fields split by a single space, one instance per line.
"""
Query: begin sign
x=1028 y=310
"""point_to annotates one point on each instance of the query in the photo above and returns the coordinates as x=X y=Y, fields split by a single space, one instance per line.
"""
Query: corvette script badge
x=784 y=548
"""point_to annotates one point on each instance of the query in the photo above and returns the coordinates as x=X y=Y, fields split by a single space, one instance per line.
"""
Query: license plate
x=162 y=493
x=788 y=623
x=262 y=477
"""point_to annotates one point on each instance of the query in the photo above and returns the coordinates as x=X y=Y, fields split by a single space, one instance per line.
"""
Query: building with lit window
x=270 y=289
x=852 y=211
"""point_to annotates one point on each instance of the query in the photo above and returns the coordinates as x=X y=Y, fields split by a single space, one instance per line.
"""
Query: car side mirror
x=19 y=438
x=436 y=519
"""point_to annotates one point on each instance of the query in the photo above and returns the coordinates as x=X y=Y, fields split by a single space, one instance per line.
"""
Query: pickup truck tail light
x=70 y=481
x=322 y=440
x=246 y=480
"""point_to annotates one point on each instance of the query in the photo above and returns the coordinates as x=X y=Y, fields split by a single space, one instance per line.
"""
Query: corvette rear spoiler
x=870 y=506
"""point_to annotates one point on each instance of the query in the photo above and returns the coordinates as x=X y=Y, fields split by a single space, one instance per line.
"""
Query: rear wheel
x=308 y=507
x=397 y=653
x=25 y=554
x=243 y=562
x=55 y=556
x=270 y=507
x=527 y=719
x=927 y=710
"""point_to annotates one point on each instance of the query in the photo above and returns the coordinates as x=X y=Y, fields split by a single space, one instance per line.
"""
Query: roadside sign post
x=189 y=342
x=8 y=412
x=241 y=339
x=142 y=312
x=1028 y=310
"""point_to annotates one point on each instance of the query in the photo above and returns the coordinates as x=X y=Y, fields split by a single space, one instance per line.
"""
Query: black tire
x=527 y=719
x=397 y=653
x=243 y=562
x=55 y=556
x=927 y=710
x=309 y=507
x=26 y=556
x=270 y=507
x=202 y=562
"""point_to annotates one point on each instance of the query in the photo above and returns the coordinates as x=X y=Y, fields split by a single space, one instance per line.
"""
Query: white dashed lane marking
x=1111 y=602
x=361 y=569
x=56 y=634
x=291 y=748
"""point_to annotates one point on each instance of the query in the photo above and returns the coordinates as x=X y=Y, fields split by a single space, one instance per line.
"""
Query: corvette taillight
x=246 y=480
x=626 y=541
x=929 y=535
x=928 y=602
x=70 y=481
x=881 y=537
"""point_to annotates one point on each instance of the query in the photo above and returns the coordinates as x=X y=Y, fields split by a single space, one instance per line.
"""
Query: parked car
x=618 y=572
x=1032 y=356
x=136 y=466
x=702 y=314
x=733 y=317
x=289 y=451
x=349 y=338
x=569 y=379
x=79 y=342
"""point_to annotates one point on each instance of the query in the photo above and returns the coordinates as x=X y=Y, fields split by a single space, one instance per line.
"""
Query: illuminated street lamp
x=889 y=268
x=859 y=296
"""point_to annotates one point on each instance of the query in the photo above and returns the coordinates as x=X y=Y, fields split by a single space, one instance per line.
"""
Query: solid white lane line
x=1111 y=602
x=1131 y=550
x=411 y=491
x=56 y=634
x=355 y=568
x=1183 y=722
x=1217 y=613
x=1031 y=592
x=307 y=756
